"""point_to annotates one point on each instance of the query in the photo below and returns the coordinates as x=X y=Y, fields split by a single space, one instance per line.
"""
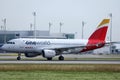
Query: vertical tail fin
x=97 y=39
x=100 y=32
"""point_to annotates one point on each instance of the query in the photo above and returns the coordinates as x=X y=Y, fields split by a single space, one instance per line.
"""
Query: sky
x=19 y=15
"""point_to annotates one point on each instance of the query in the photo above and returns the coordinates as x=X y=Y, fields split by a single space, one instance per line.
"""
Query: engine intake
x=48 y=53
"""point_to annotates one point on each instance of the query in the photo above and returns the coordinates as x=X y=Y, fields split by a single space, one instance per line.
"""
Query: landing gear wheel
x=18 y=58
x=61 y=58
x=49 y=58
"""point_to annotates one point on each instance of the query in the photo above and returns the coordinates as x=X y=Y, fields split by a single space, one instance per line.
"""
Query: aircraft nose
x=2 y=47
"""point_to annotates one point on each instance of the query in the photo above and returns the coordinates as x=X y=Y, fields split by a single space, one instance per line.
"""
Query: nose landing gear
x=19 y=56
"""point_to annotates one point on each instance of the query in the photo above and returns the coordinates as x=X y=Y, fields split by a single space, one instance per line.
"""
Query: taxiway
x=72 y=59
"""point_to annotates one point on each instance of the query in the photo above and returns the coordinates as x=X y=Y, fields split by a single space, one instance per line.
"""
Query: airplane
x=50 y=48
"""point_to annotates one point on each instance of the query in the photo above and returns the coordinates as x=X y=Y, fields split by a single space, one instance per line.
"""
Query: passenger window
x=10 y=42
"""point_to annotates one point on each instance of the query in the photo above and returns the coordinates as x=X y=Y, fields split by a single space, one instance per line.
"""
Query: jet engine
x=48 y=53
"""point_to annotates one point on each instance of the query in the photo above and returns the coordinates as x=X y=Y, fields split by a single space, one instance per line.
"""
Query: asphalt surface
x=40 y=60
x=61 y=62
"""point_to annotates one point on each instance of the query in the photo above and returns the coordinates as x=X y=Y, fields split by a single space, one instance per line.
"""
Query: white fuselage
x=36 y=45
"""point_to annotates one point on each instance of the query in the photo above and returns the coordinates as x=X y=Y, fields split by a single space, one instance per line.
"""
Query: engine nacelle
x=31 y=54
x=48 y=53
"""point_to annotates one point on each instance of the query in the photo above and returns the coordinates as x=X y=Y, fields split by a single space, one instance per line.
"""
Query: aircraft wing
x=65 y=47
x=61 y=48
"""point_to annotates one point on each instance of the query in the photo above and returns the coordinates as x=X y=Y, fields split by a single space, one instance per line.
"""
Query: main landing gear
x=19 y=56
x=61 y=58
x=49 y=59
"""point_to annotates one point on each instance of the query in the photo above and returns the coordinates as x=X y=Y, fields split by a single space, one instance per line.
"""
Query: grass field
x=61 y=67
x=59 y=72
x=58 y=75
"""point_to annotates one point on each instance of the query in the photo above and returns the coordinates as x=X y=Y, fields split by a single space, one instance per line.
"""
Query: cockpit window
x=10 y=42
